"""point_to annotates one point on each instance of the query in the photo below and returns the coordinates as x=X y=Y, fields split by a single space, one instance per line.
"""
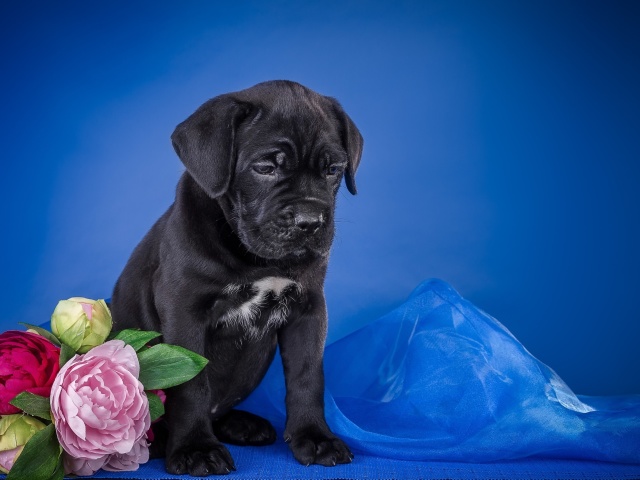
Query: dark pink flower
x=28 y=363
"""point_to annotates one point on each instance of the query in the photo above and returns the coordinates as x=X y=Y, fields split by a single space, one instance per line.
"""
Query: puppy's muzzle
x=293 y=229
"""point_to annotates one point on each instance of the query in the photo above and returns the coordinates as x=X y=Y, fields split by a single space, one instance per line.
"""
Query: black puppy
x=237 y=264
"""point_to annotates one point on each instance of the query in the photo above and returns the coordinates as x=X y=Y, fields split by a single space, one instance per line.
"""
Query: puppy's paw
x=311 y=445
x=243 y=428
x=200 y=460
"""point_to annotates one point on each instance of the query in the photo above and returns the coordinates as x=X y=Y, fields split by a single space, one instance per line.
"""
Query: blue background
x=502 y=152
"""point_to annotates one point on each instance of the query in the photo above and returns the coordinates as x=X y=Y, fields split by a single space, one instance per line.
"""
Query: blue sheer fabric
x=439 y=379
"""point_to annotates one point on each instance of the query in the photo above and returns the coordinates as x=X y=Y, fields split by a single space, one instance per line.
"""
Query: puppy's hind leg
x=238 y=427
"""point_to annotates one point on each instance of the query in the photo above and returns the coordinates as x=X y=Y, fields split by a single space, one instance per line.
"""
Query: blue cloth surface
x=276 y=462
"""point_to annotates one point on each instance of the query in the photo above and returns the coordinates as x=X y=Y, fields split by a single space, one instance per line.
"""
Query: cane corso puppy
x=236 y=267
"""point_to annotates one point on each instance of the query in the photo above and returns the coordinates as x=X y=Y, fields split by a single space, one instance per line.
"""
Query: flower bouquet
x=80 y=397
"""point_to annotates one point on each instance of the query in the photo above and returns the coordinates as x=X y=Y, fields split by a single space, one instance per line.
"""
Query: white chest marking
x=248 y=312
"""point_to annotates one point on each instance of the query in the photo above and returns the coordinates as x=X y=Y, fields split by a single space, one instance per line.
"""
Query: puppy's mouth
x=275 y=242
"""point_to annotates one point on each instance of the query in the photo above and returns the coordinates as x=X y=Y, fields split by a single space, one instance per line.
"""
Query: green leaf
x=40 y=458
x=136 y=338
x=42 y=332
x=164 y=366
x=58 y=473
x=66 y=354
x=33 y=405
x=156 y=408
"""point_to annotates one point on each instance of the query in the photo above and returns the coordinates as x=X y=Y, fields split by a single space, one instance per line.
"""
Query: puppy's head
x=273 y=155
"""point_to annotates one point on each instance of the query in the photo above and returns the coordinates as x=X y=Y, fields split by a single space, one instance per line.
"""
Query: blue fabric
x=439 y=379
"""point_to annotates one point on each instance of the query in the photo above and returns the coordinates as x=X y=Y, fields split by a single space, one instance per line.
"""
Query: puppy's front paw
x=311 y=445
x=200 y=460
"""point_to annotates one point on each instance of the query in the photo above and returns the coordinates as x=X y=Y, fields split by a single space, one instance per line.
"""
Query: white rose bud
x=81 y=323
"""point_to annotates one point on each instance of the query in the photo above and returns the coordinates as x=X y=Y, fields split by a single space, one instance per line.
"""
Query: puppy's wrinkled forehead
x=287 y=99
x=290 y=113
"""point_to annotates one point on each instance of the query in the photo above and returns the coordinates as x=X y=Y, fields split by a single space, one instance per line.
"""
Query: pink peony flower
x=98 y=404
x=82 y=466
x=129 y=462
x=116 y=462
x=28 y=362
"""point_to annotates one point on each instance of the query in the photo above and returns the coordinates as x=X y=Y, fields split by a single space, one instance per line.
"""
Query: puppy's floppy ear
x=352 y=142
x=205 y=142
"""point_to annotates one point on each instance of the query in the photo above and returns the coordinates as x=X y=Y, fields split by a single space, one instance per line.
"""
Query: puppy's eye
x=334 y=169
x=265 y=168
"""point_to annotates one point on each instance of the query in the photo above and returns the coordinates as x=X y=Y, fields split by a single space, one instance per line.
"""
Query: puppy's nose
x=308 y=222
